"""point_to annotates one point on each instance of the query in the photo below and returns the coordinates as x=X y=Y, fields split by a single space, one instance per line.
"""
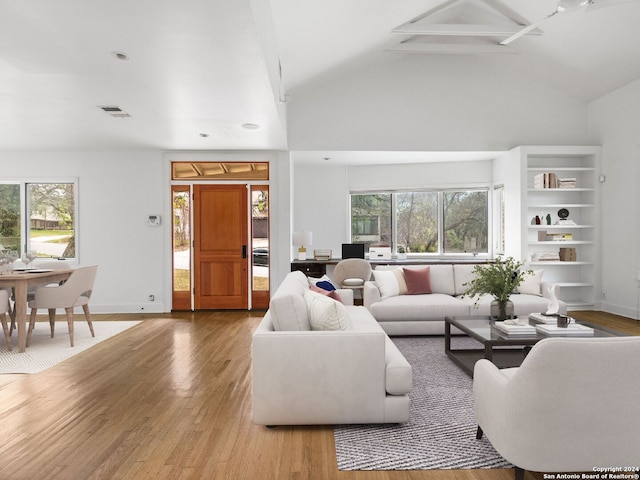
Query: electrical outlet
x=152 y=298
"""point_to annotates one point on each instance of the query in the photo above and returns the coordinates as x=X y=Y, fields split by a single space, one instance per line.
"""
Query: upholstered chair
x=75 y=292
x=352 y=273
x=571 y=406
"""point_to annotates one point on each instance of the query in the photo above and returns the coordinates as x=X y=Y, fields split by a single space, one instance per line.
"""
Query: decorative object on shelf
x=563 y=219
x=568 y=254
x=548 y=219
x=402 y=253
x=301 y=239
x=322 y=254
x=499 y=279
x=538 y=222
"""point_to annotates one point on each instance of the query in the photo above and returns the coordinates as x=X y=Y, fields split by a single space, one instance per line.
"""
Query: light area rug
x=441 y=432
x=45 y=352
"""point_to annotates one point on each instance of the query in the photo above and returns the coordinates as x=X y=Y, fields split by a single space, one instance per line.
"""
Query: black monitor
x=353 y=250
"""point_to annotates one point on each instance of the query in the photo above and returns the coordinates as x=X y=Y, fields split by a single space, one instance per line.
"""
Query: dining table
x=20 y=281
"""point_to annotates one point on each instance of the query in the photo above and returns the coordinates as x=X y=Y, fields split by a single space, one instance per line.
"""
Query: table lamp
x=301 y=239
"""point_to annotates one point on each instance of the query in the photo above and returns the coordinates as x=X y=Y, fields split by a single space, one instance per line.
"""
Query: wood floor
x=171 y=399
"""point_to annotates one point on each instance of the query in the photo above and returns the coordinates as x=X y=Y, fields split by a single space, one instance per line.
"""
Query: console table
x=318 y=268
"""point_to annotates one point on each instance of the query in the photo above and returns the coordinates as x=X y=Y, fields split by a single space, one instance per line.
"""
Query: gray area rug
x=441 y=432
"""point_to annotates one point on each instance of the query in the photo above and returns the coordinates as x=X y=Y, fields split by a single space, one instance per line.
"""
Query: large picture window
x=422 y=222
x=39 y=217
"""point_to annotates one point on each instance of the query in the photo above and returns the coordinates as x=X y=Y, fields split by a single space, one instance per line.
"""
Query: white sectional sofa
x=306 y=376
x=402 y=314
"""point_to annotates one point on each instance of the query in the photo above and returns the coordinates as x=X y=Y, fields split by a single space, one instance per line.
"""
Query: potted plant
x=499 y=279
x=402 y=253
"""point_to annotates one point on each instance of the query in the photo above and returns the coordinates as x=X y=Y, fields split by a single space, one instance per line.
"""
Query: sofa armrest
x=317 y=377
x=489 y=386
x=370 y=294
x=346 y=295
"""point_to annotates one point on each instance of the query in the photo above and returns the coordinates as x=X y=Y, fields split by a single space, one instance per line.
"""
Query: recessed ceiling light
x=120 y=55
x=204 y=135
x=250 y=126
x=327 y=158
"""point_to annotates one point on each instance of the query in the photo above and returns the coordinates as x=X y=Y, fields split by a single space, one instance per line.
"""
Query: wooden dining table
x=20 y=281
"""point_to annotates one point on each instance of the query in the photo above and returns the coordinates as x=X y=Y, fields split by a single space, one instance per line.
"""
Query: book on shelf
x=566 y=183
x=545 y=257
x=572 y=330
x=545 y=180
x=507 y=329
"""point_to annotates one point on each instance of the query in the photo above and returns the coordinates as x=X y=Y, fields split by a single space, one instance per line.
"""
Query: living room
x=383 y=120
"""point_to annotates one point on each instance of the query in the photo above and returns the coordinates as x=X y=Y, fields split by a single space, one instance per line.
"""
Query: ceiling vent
x=116 y=112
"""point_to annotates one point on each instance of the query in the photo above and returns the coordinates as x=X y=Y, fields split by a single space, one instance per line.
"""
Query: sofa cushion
x=399 y=375
x=387 y=282
x=418 y=307
x=463 y=274
x=530 y=284
x=418 y=280
x=288 y=307
x=326 y=313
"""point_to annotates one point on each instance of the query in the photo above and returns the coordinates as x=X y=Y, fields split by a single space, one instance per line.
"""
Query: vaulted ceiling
x=215 y=74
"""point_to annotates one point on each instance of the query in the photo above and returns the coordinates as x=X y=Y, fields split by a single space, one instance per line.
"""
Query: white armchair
x=571 y=406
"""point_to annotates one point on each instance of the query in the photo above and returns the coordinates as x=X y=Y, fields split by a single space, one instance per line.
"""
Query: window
x=39 y=217
x=423 y=222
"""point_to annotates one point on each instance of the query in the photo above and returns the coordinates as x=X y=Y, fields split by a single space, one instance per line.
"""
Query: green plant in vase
x=499 y=279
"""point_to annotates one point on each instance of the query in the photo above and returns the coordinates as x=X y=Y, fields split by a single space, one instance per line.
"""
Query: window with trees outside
x=422 y=222
x=39 y=218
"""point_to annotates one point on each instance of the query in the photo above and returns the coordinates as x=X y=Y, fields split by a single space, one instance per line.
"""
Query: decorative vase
x=501 y=311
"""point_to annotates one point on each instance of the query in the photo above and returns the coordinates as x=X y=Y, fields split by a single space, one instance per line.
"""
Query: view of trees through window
x=50 y=215
x=423 y=222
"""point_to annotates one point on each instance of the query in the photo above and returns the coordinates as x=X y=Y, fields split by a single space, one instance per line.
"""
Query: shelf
x=555 y=190
x=558 y=227
x=560 y=264
x=573 y=284
x=562 y=242
x=561 y=205
x=561 y=169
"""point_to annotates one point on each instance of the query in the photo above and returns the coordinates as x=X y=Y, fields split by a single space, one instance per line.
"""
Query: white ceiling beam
x=452 y=48
x=459 y=29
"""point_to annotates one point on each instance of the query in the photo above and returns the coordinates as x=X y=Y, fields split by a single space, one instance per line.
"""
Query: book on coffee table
x=514 y=330
x=573 y=329
x=542 y=318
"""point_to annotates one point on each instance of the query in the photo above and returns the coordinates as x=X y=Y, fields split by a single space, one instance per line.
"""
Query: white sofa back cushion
x=462 y=274
x=288 y=307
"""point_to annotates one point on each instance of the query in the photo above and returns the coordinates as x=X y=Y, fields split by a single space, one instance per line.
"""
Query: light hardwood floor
x=171 y=399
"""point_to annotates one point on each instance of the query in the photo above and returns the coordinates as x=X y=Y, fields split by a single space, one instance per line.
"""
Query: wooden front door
x=220 y=247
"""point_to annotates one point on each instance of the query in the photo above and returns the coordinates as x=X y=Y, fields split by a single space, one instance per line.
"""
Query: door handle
x=244 y=251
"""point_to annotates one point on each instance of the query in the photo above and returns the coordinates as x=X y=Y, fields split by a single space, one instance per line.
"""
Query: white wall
x=614 y=122
x=117 y=190
x=433 y=103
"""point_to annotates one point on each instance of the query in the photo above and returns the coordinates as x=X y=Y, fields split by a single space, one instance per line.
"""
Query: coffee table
x=504 y=351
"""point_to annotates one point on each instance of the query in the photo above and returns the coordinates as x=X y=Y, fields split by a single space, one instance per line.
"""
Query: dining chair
x=75 y=292
x=46 y=265
x=5 y=307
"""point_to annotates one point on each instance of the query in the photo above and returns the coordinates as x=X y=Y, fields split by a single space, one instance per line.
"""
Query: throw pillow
x=325 y=285
x=325 y=313
x=402 y=282
x=324 y=278
x=531 y=283
x=387 y=283
x=329 y=293
x=418 y=280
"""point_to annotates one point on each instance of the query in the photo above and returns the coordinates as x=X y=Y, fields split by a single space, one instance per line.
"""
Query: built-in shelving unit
x=577 y=280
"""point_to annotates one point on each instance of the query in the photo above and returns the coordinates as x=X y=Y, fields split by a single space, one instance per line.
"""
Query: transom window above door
x=219 y=170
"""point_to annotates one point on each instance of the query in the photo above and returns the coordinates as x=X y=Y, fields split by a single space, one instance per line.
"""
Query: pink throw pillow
x=418 y=281
x=331 y=294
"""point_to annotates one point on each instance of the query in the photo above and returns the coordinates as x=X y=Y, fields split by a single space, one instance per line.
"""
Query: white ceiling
x=209 y=66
